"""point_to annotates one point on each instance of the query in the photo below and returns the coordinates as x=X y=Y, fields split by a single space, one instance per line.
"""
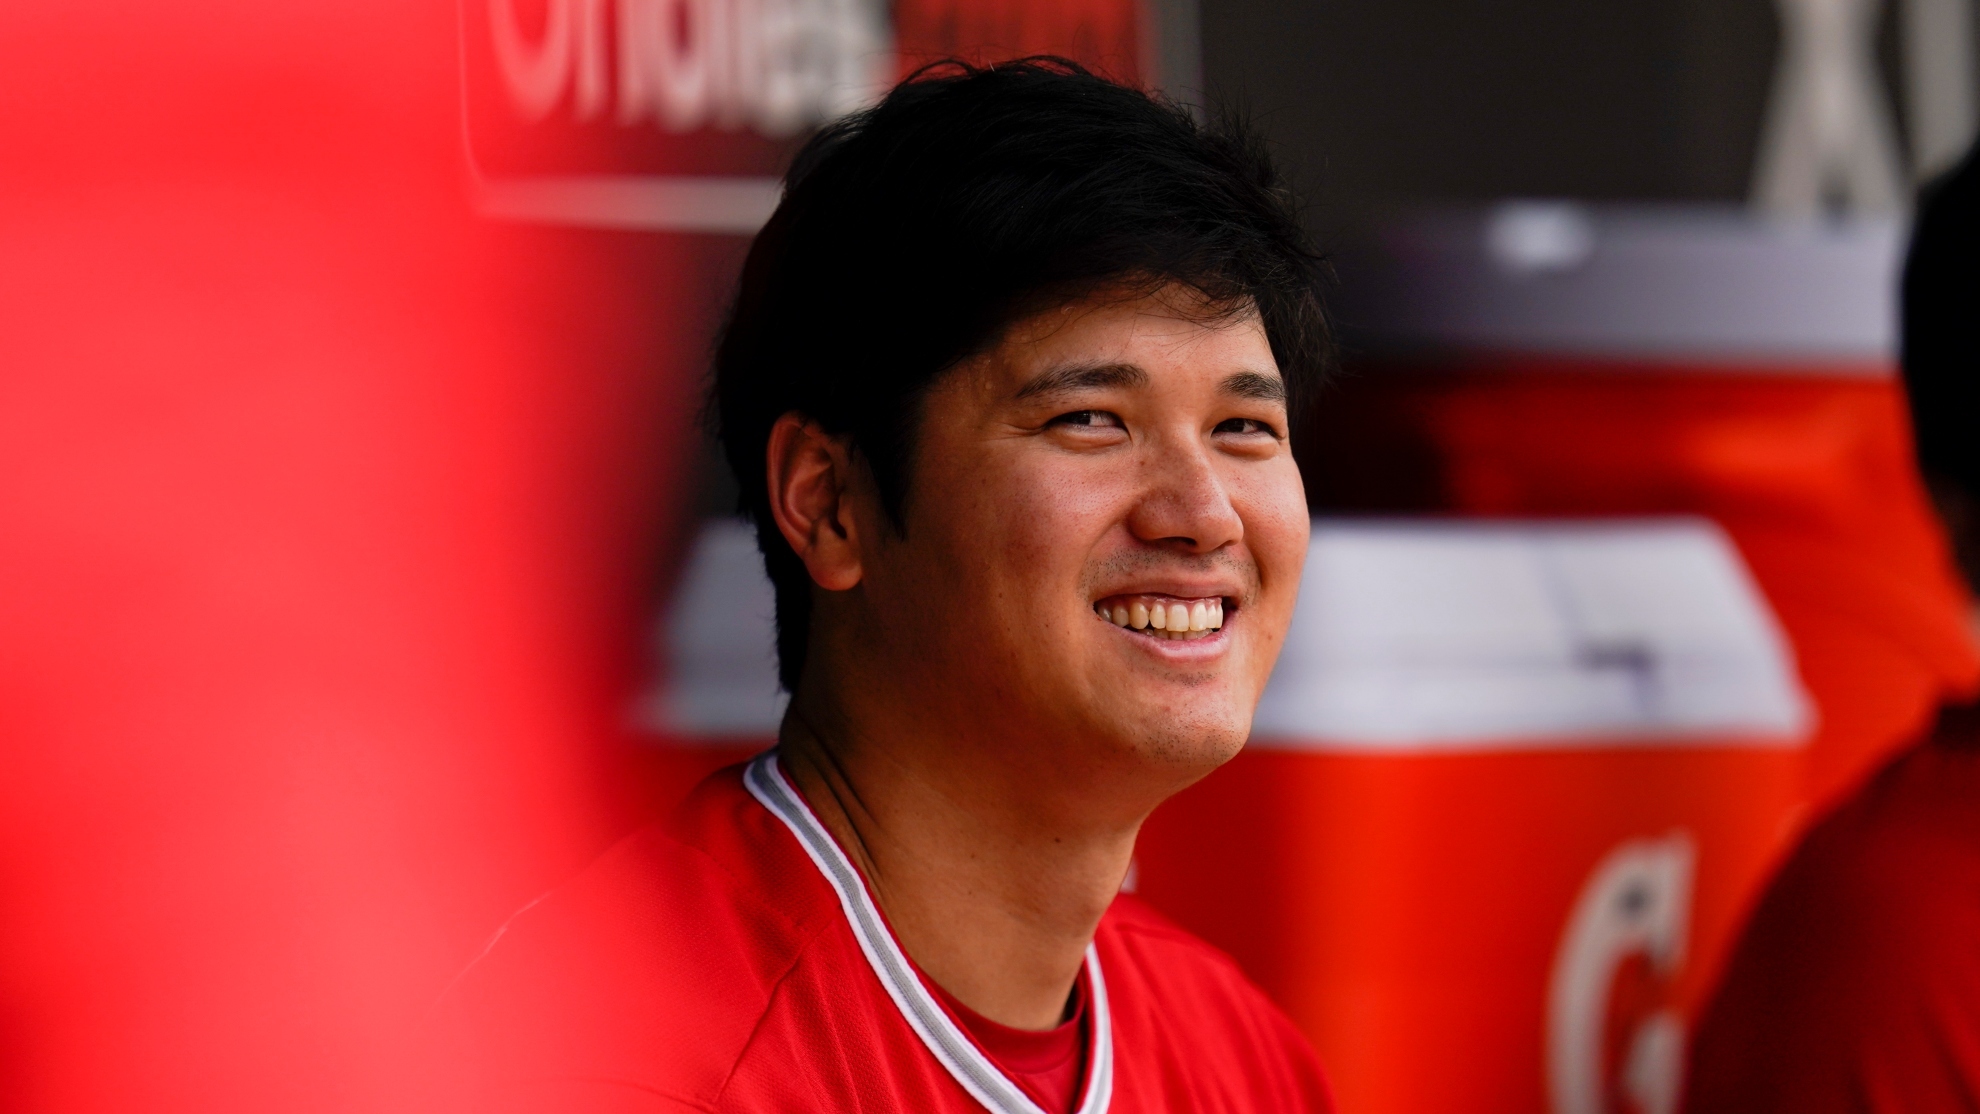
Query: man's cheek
x=1275 y=498
x=1278 y=537
x=1057 y=508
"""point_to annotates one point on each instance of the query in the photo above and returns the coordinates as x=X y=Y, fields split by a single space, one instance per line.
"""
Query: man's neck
x=993 y=904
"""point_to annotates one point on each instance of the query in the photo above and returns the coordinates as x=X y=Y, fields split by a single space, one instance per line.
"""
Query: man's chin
x=1190 y=751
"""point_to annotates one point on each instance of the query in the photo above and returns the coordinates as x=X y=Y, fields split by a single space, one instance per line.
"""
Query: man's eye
x=1244 y=425
x=1092 y=418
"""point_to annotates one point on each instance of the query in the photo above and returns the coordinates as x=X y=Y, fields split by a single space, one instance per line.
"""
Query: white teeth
x=1164 y=619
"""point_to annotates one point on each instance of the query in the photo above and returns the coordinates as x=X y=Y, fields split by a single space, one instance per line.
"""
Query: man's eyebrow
x=1255 y=385
x=1083 y=377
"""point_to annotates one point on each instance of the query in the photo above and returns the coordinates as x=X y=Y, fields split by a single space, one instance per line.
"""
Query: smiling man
x=1008 y=386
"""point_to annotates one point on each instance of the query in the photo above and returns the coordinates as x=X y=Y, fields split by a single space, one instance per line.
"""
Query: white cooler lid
x=1409 y=636
x=1459 y=635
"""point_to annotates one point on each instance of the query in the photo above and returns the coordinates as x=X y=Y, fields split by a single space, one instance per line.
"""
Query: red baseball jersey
x=1856 y=988
x=732 y=959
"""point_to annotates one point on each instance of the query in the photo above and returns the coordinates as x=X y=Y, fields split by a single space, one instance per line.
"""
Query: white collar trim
x=970 y=1067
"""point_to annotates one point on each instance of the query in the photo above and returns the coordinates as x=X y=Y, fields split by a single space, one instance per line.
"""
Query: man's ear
x=811 y=475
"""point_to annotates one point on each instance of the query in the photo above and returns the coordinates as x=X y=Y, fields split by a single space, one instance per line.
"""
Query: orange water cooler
x=1621 y=565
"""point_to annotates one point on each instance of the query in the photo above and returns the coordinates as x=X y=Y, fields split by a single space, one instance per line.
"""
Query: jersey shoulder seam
x=776 y=989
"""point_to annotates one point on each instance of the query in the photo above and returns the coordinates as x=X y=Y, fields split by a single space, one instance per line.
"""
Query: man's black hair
x=912 y=234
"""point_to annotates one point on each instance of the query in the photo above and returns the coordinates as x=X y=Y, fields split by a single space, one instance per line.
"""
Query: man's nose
x=1185 y=504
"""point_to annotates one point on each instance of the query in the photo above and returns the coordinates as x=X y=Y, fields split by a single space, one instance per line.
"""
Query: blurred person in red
x=324 y=507
x=1856 y=987
x=1007 y=387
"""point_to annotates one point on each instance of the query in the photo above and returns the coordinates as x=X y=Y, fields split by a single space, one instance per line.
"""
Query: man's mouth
x=1164 y=616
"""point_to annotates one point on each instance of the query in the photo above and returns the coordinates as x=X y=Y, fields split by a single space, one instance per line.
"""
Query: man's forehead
x=1123 y=343
x=1173 y=312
